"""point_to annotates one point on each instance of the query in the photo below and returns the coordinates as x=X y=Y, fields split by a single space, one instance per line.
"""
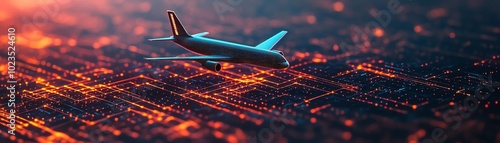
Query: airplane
x=211 y=51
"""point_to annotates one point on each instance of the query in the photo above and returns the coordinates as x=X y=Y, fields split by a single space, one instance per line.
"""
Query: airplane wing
x=269 y=43
x=207 y=57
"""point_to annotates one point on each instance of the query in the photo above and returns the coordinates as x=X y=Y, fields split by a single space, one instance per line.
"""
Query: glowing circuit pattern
x=90 y=84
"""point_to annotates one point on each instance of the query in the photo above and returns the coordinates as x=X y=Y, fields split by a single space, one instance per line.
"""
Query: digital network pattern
x=87 y=81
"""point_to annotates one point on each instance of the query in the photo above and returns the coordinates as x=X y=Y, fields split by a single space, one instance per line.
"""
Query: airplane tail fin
x=269 y=43
x=175 y=23
x=177 y=29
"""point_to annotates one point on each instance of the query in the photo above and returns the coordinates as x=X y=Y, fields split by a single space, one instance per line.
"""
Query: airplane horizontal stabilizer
x=171 y=38
x=200 y=34
x=208 y=57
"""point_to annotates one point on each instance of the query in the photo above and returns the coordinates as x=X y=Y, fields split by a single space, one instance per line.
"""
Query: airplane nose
x=284 y=64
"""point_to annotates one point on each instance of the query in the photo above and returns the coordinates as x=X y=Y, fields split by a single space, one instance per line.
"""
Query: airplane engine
x=279 y=52
x=211 y=65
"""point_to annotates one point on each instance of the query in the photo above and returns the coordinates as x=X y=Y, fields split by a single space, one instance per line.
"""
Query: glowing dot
x=311 y=19
x=300 y=55
x=133 y=48
x=139 y=30
x=57 y=42
x=348 y=123
x=335 y=47
x=316 y=60
x=417 y=28
x=338 y=6
x=346 y=135
x=134 y=135
x=231 y=139
x=359 y=67
x=452 y=35
x=104 y=40
x=414 y=106
x=218 y=134
x=116 y=132
x=217 y=125
x=378 y=32
x=72 y=42
x=3 y=68
x=313 y=120
x=96 y=45
x=421 y=133
x=12 y=138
